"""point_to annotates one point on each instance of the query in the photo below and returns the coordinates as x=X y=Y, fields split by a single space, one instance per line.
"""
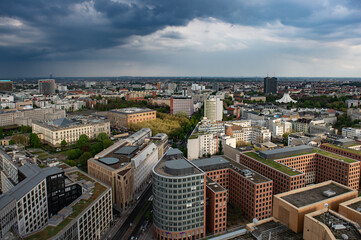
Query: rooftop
x=273 y=230
x=286 y=152
x=276 y=165
x=344 y=149
x=214 y=186
x=132 y=110
x=176 y=167
x=312 y=195
x=78 y=206
x=356 y=206
x=336 y=156
x=343 y=226
x=63 y=123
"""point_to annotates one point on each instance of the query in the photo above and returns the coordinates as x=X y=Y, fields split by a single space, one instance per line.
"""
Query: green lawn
x=344 y=149
x=50 y=231
x=329 y=154
x=273 y=164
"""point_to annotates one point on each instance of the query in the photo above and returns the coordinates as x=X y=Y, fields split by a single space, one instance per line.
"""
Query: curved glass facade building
x=179 y=198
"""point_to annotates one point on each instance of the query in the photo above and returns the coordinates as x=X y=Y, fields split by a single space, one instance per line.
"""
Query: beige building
x=126 y=165
x=351 y=209
x=122 y=118
x=291 y=207
x=55 y=131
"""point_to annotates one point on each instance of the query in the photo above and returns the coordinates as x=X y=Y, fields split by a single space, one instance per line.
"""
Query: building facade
x=270 y=85
x=6 y=85
x=182 y=104
x=54 y=132
x=213 y=108
x=46 y=86
x=122 y=118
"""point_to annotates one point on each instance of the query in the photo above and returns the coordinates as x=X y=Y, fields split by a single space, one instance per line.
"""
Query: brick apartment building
x=293 y=167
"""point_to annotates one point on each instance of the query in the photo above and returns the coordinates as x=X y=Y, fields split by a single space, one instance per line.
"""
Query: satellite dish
x=255 y=221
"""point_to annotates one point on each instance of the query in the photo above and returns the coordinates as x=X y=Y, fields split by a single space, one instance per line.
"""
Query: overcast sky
x=313 y=38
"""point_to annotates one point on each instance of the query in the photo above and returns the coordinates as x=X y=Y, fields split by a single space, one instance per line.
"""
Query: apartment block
x=351 y=132
x=46 y=197
x=254 y=135
x=122 y=118
x=213 y=108
x=182 y=104
x=69 y=129
x=302 y=125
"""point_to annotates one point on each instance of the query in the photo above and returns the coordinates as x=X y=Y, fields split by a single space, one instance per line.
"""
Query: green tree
x=20 y=139
x=74 y=154
x=84 y=158
x=220 y=148
x=82 y=141
x=107 y=143
x=1 y=133
x=34 y=140
x=96 y=148
x=63 y=143
x=102 y=136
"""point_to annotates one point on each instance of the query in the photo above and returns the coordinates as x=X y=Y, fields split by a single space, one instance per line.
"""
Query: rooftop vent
x=246 y=173
x=344 y=236
x=329 y=193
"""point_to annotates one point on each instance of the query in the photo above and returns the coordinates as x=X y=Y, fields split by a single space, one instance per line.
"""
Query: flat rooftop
x=214 y=186
x=335 y=156
x=286 y=152
x=276 y=165
x=342 y=148
x=132 y=110
x=254 y=177
x=345 y=227
x=64 y=123
x=273 y=230
x=213 y=163
x=176 y=168
x=313 y=195
x=356 y=206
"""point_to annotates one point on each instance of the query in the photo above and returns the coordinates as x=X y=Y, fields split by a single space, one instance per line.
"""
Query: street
x=126 y=225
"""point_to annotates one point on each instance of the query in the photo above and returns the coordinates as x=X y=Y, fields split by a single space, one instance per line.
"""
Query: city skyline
x=154 y=38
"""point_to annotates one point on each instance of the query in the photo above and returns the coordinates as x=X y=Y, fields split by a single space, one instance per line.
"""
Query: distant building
x=351 y=132
x=122 y=118
x=6 y=86
x=182 y=104
x=46 y=86
x=270 y=85
x=54 y=132
x=213 y=108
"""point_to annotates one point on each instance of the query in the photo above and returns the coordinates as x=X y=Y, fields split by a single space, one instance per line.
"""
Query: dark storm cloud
x=61 y=28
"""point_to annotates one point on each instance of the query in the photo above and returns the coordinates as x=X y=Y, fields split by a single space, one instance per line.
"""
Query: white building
x=213 y=108
x=351 y=132
x=143 y=163
x=280 y=127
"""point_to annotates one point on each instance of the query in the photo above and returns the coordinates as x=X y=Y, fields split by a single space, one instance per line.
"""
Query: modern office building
x=270 y=85
x=293 y=167
x=54 y=132
x=51 y=198
x=182 y=104
x=6 y=85
x=343 y=151
x=122 y=118
x=126 y=166
x=46 y=86
x=351 y=132
x=179 y=198
x=213 y=108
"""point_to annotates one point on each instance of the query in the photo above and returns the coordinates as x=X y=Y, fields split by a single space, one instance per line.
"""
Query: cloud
x=80 y=30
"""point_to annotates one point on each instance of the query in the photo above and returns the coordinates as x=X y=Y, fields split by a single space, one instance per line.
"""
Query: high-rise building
x=6 y=86
x=213 y=108
x=46 y=86
x=270 y=85
x=182 y=104
x=179 y=198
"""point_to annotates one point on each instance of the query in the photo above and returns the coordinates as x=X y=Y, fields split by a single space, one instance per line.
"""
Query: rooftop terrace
x=314 y=195
x=278 y=166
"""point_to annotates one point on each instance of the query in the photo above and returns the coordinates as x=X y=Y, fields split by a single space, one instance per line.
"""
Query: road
x=142 y=201
x=141 y=222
